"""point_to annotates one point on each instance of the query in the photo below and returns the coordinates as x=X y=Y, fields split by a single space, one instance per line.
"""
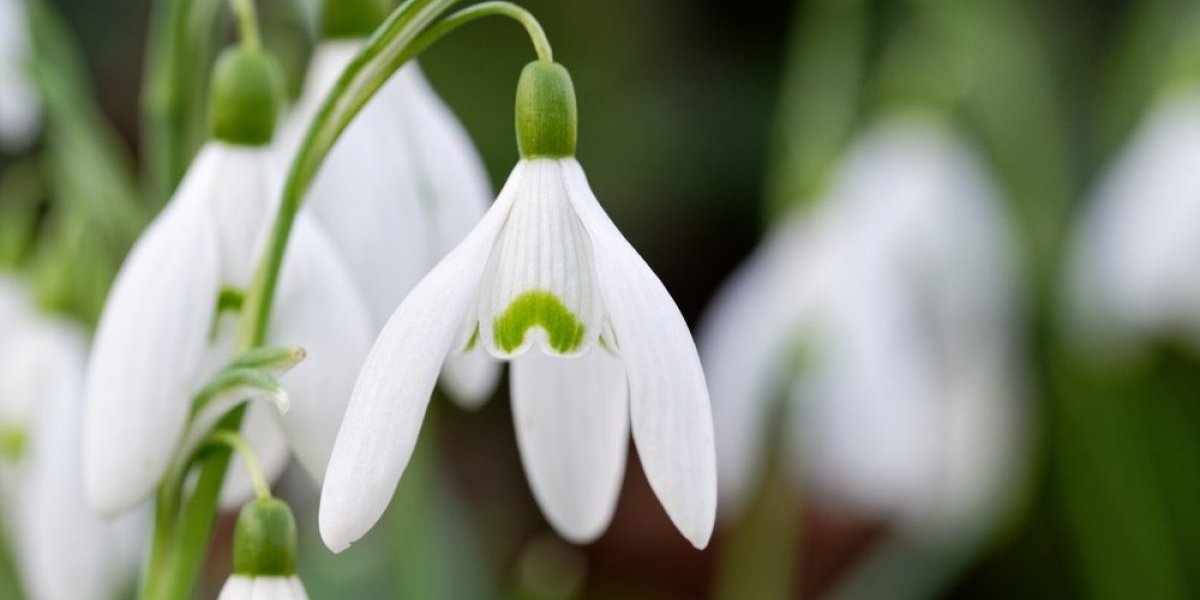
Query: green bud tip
x=352 y=19
x=546 y=113
x=246 y=92
x=264 y=539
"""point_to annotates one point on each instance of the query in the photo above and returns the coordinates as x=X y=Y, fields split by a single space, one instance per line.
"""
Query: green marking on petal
x=13 y=441
x=541 y=309
x=474 y=339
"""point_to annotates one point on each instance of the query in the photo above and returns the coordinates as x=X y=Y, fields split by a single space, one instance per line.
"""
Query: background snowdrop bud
x=246 y=92
x=546 y=113
x=264 y=554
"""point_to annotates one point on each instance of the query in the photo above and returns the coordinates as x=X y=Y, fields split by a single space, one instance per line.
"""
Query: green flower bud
x=264 y=539
x=546 y=115
x=246 y=93
x=352 y=19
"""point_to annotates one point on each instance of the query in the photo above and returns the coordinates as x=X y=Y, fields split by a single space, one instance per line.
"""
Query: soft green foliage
x=538 y=309
x=264 y=539
x=13 y=441
x=546 y=114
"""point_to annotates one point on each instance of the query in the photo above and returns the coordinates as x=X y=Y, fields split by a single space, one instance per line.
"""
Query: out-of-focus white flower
x=41 y=403
x=886 y=319
x=161 y=336
x=20 y=109
x=1131 y=262
x=545 y=267
x=402 y=186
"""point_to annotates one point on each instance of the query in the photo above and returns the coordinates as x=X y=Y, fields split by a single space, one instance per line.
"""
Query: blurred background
x=704 y=127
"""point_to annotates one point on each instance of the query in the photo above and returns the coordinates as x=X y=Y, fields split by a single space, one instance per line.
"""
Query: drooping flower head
x=885 y=320
x=165 y=330
x=546 y=281
x=52 y=530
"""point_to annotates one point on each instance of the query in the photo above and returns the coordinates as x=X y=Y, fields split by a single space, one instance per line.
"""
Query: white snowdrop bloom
x=264 y=554
x=20 y=108
x=53 y=531
x=401 y=187
x=162 y=336
x=885 y=319
x=1131 y=268
x=596 y=343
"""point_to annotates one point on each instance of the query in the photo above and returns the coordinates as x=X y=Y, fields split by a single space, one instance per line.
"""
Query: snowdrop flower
x=20 y=109
x=547 y=282
x=162 y=336
x=886 y=320
x=53 y=530
x=418 y=183
x=264 y=555
x=1131 y=268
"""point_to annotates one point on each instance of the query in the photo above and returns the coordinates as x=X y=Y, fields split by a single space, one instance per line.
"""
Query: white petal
x=470 y=377
x=272 y=588
x=367 y=196
x=148 y=348
x=540 y=284
x=20 y=107
x=749 y=345
x=298 y=591
x=672 y=422
x=319 y=309
x=385 y=412
x=447 y=161
x=56 y=531
x=237 y=587
x=261 y=430
x=1131 y=262
x=572 y=421
x=239 y=198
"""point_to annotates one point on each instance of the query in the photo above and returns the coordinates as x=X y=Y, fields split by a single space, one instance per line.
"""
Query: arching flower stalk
x=546 y=281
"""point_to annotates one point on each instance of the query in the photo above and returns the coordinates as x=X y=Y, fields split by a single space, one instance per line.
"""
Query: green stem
x=533 y=28
x=247 y=19
x=235 y=441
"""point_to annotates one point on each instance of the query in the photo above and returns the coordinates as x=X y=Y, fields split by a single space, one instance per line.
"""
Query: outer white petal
x=672 y=422
x=148 y=348
x=572 y=421
x=298 y=591
x=261 y=430
x=367 y=193
x=543 y=250
x=239 y=198
x=273 y=588
x=385 y=412
x=749 y=345
x=57 y=532
x=237 y=587
x=319 y=309
x=1131 y=261
x=470 y=377
x=448 y=163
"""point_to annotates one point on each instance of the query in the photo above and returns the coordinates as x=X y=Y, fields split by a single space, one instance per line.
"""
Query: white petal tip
x=282 y=401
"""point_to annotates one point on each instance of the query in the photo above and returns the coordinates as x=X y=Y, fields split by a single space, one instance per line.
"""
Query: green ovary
x=541 y=309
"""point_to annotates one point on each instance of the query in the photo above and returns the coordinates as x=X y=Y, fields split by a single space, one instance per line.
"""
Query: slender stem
x=247 y=19
x=533 y=28
x=235 y=441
